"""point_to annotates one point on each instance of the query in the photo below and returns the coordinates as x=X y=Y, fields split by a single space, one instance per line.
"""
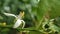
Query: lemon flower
x=19 y=20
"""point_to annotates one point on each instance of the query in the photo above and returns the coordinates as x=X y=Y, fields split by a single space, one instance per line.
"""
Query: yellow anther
x=21 y=15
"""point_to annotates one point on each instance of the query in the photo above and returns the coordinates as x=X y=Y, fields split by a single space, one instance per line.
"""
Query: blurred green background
x=38 y=16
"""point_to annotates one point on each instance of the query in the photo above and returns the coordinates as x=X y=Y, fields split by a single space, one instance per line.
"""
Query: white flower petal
x=8 y=14
x=17 y=24
x=23 y=24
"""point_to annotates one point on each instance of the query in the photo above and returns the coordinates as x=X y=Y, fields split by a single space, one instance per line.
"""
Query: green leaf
x=54 y=8
x=35 y=32
x=42 y=10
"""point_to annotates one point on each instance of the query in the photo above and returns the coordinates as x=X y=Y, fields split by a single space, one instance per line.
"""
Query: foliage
x=41 y=16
